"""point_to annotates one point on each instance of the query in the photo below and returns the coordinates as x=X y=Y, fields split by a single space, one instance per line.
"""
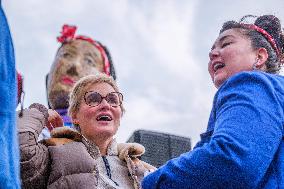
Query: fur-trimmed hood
x=64 y=135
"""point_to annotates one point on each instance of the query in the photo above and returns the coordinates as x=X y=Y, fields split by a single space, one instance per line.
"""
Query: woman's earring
x=77 y=126
x=254 y=66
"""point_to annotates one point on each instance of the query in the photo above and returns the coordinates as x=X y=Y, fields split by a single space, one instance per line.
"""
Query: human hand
x=54 y=120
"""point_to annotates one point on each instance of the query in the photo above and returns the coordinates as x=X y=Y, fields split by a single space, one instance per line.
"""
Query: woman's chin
x=219 y=80
x=104 y=123
x=218 y=83
x=103 y=130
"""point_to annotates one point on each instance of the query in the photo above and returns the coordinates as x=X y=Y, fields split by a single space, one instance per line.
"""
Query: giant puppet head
x=78 y=56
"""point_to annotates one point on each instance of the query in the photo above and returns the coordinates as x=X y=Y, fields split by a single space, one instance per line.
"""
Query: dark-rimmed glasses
x=93 y=98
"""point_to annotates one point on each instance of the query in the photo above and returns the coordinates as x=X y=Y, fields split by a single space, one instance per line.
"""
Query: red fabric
x=20 y=86
x=68 y=34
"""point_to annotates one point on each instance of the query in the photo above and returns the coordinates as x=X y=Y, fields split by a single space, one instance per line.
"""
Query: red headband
x=266 y=35
x=68 y=34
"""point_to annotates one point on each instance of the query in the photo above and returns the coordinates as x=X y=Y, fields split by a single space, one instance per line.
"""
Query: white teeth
x=104 y=118
x=218 y=66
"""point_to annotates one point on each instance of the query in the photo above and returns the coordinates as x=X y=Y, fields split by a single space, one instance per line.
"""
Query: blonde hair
x=80 y=88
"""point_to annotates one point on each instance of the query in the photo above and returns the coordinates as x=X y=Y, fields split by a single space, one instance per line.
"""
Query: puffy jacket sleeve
x=247 y=133
x=34 y=156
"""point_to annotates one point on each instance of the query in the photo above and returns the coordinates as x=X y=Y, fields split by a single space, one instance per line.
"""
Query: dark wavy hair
x=271 y=24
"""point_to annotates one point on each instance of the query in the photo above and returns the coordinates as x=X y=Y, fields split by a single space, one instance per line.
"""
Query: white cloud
x=160 y=50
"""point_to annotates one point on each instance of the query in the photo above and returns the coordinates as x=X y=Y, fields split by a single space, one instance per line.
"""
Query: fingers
x=54 y=120
x=49 y=126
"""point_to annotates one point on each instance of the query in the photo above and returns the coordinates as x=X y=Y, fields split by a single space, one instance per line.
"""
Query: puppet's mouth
x=67 y=80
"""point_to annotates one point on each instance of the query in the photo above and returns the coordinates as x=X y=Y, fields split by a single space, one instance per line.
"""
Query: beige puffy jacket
x=68 y=160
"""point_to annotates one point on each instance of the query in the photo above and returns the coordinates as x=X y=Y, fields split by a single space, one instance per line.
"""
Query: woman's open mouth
x=104 y=117
x=218 y=65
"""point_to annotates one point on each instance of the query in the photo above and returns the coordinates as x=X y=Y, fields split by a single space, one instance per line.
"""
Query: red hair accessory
x=21 y=93
x=20 y=86
x=265 y=34
x=68 y=34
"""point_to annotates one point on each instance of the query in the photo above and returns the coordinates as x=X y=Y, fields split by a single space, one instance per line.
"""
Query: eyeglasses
x=93 y=98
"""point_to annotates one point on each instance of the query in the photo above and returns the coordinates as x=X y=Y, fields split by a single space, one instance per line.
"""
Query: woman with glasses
x=89 y=156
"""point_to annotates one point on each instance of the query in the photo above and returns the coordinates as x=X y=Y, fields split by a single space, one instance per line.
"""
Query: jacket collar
x=94 y=151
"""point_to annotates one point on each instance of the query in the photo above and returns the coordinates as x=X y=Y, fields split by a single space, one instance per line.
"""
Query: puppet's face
x=73 y=61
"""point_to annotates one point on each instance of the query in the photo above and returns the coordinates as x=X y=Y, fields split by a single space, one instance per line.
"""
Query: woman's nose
x=213 y=54
x=104 y=104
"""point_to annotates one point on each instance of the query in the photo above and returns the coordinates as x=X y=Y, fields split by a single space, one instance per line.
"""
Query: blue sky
x=159 y=48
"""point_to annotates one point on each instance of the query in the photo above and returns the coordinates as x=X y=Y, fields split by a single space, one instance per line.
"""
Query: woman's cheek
x=211 y=71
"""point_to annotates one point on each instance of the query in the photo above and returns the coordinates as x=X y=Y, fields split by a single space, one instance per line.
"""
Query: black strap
x=108 y=169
